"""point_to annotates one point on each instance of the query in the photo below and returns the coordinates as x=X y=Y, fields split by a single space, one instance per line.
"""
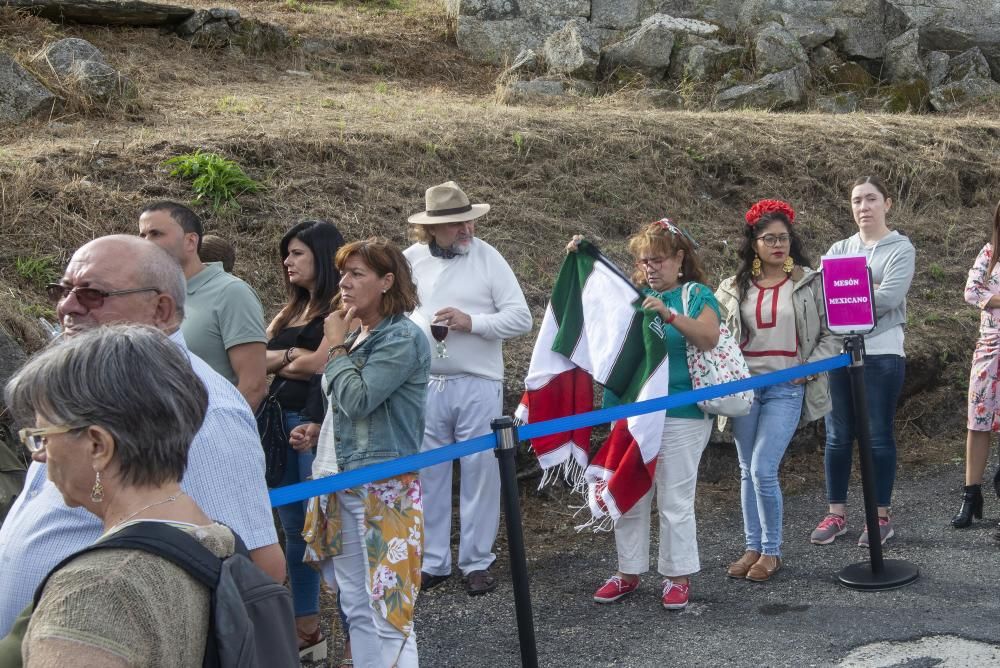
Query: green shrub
x=39 y=271
x=214 y=178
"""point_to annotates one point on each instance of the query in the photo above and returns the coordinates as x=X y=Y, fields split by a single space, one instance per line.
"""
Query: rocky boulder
x=572 y=51
x=81 y=67
x=841 y=103
x=968 y=81
x=811 y=33
x=936 y=63
x=780 y=90
x=617 y=14
x=902 y=58
x=547 y=89
x=706 y=60
x=864 y=27
x=969 y=64
x=21 y=95
x=775 y=49
x=646 y=49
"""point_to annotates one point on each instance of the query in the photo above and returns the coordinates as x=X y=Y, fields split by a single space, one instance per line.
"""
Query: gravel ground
x=802 y=617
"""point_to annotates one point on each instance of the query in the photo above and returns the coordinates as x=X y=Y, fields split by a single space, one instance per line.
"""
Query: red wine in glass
x=439 y=332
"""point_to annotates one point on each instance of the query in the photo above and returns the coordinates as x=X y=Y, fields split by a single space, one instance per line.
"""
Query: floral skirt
x=393 y=534
x=984 y=407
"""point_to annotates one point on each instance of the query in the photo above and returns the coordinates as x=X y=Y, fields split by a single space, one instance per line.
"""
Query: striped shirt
x=225 y=476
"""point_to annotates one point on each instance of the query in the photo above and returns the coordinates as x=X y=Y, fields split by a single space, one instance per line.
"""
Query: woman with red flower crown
x=982 y=290
x=774 y=307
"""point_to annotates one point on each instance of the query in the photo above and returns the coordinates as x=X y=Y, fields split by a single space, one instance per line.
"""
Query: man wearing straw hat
x=470 y=294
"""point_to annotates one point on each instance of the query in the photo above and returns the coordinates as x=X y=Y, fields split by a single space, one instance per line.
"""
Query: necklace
x=147 y=507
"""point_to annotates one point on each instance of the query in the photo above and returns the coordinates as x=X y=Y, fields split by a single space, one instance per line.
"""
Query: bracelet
x=332 y=350
x=288 y=355
x=673 y=316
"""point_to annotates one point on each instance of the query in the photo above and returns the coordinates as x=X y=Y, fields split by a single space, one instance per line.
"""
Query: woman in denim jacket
x=775 y=310
x=367 y=539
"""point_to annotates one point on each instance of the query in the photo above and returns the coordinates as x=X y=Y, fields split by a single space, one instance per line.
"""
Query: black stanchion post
x=503 y=428
x=876 y=574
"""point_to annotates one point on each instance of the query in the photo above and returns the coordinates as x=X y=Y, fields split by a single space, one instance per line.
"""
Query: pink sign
x=847 y=291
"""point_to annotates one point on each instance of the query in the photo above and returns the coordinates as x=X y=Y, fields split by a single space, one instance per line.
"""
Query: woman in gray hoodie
x=890 y=258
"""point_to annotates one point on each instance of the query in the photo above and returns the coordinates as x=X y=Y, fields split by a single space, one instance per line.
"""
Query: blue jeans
x=762 y=437
x=304 y=579
x=883 y=383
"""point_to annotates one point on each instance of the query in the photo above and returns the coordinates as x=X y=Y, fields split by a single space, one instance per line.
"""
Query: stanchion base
x=895 y=573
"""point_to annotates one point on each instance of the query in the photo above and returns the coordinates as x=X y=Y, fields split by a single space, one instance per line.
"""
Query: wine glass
x=439 y=332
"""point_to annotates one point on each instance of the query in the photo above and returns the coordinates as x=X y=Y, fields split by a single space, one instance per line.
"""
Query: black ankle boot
x=972 y=504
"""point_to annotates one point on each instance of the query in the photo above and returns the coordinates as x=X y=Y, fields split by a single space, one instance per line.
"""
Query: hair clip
x=668 y=224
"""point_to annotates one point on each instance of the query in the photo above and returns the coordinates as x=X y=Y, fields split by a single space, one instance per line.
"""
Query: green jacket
x=816 y=342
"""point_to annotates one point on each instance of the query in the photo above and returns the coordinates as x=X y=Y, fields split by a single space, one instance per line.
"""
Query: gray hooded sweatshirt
x=891 y=259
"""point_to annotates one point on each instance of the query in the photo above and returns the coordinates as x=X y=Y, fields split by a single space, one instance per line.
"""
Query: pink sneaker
x=614 y=589
x=675 y=596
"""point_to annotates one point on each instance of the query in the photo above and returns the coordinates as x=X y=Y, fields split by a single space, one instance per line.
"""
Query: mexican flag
x=594 y=330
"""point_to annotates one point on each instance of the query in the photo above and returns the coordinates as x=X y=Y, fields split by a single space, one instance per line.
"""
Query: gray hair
x=154 y=268
x=128 y=379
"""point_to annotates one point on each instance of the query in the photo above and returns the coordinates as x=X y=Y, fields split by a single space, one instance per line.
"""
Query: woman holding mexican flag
x=668 y=272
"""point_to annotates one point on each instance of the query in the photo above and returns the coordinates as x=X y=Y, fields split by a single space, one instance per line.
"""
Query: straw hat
x=447 y=203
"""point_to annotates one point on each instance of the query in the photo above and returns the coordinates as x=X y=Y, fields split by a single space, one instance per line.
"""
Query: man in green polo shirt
x=223 y=319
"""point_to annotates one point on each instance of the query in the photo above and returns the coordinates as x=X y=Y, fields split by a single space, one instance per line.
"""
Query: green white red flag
x=593 y=330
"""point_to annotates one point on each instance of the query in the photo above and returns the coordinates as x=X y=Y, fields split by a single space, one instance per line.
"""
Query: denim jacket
x=377 y=392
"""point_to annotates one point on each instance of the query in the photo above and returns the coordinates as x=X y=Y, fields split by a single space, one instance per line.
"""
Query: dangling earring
x=755 y=269
x=788 y=265
x=97 y=491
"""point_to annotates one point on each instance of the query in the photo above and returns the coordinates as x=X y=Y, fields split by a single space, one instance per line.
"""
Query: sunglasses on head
x=89 y=298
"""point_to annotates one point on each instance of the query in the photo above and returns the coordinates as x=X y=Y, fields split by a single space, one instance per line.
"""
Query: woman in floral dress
x=982 y=290
x=367 y=540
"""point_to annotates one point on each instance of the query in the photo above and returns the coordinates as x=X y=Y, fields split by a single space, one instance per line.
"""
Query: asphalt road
x=802 y=617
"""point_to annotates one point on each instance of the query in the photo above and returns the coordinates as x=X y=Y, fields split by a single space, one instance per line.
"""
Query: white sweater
x=480 y=284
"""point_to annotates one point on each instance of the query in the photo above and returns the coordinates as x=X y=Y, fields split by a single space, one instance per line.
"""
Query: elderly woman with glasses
x=774 y=307
x=367 y=540
x=118 y=607
x=669 y=274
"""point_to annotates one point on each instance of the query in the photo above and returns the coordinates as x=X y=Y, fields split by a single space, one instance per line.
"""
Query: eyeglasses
x=89 y=298
x=650 y=261
x=773 y=240
x=34 y=437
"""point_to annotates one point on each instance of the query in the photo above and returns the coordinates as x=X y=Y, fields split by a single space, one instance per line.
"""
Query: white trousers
x=460 y=408
x=375 y=643
x=684 y=441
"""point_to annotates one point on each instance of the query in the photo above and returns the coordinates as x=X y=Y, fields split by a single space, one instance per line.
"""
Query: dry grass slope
x=375 y=103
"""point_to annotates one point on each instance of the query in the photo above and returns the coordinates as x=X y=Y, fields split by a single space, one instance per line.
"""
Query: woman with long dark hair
x=774 y=307
x=982 y=290
x=295 y=353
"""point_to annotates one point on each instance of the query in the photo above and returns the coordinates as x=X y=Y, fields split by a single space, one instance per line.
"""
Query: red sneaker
x=675 y=596
x=614 y=589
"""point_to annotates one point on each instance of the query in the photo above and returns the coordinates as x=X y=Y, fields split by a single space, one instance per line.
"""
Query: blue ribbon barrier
x=304 y=490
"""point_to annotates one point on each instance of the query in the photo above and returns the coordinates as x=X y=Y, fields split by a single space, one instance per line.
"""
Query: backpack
x=251 y=620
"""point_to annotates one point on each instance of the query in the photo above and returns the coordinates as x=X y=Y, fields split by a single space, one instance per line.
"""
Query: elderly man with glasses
x=124 y=279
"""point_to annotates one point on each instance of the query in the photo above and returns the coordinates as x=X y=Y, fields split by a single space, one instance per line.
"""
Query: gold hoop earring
x=788 y=265
x=97 y=491
x=755 y=268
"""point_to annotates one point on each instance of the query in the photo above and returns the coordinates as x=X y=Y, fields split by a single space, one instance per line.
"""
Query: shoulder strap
x=163 y=540
x=686 y=297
